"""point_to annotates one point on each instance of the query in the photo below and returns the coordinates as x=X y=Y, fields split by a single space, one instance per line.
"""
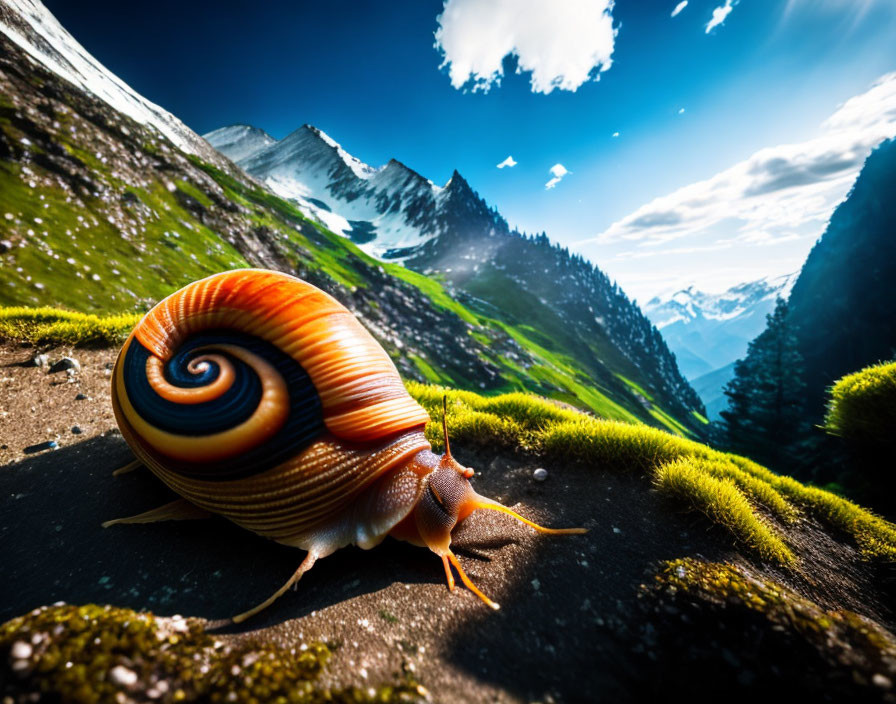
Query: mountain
x=709 y=331
x=387 y=212
x=546 y=298
x=842 y=303
x=240 y=141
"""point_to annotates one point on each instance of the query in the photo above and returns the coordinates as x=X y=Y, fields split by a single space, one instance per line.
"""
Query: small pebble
x=81 y=397
x=122 y=676
x=76 y=430
x=882 y=681
x=21 y=650
x=540 y=474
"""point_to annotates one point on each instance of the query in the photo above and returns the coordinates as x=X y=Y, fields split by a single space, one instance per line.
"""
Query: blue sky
x=735 y=187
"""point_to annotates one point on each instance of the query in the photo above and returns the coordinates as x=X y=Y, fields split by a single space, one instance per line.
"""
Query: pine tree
x=766 y=418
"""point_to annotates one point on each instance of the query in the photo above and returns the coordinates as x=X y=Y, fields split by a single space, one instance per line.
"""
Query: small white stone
x=122 y=676
x=540 y=474
x=882 y=681
x=21 y=650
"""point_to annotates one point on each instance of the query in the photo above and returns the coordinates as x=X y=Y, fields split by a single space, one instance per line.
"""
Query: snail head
x=447 y=500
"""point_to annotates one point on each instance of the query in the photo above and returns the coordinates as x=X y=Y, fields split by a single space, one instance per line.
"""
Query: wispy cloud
x=776 y=192
x=558 y=171
x=720 y=14
x=562 y=43
x=508 y=162
x=679 y=7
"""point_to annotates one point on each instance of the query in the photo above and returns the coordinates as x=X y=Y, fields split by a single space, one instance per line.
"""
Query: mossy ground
x=732 y=491
x=842 y=637
x=601 y=474
x=94 y=654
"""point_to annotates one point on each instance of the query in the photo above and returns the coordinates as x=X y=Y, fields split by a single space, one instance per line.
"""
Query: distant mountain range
x=558 y=301
x=708 y=332
x=109 y=203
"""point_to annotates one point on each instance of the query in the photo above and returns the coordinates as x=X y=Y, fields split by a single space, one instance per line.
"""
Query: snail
x=256 y=396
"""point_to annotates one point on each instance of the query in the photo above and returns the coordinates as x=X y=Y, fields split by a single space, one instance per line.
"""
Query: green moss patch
x=696 y=483
x=850 y=638
x=93 y=654
x=862 y=408
x=53 y=326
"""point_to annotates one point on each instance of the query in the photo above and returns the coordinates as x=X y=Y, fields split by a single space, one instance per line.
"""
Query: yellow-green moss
x=732 y=585
x=93 y=654
x=61 y=327
x=522 y=422
x=698 y=483
x=862 y=408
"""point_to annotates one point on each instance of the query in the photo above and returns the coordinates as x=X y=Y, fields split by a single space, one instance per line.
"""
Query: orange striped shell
x=257 y=396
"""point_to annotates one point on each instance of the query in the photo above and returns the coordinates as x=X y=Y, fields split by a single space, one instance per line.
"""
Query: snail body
x=258 y=397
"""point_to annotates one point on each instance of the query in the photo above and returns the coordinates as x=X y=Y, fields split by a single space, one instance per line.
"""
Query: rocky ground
x=583 y=617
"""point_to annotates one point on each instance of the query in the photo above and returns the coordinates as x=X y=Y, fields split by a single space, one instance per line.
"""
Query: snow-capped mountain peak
x=710 y=330
x=239 y=142
x=33 y=27
x=690 y=304
x=390 y=211
x=360 y=169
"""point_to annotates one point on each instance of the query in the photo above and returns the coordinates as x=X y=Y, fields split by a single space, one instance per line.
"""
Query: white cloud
x=615 y=134
x=558 y=171
x=508 y=162
x=562 y=43
x=679 y=7
x=778 y=193
x=720 y=14
x=681 y=111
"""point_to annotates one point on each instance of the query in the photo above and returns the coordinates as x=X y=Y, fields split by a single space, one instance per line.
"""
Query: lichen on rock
x=92 y=654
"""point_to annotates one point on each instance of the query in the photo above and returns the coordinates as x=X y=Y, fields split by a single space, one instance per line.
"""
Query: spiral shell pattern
x=254 y=374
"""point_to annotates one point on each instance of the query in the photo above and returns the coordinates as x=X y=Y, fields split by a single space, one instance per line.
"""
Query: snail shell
x=259 y=397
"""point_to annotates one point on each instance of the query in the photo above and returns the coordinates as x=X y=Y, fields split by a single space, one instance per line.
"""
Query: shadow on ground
x=572 y=626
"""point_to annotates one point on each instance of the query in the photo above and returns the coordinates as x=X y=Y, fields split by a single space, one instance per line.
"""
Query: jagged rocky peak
x=239 y=142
